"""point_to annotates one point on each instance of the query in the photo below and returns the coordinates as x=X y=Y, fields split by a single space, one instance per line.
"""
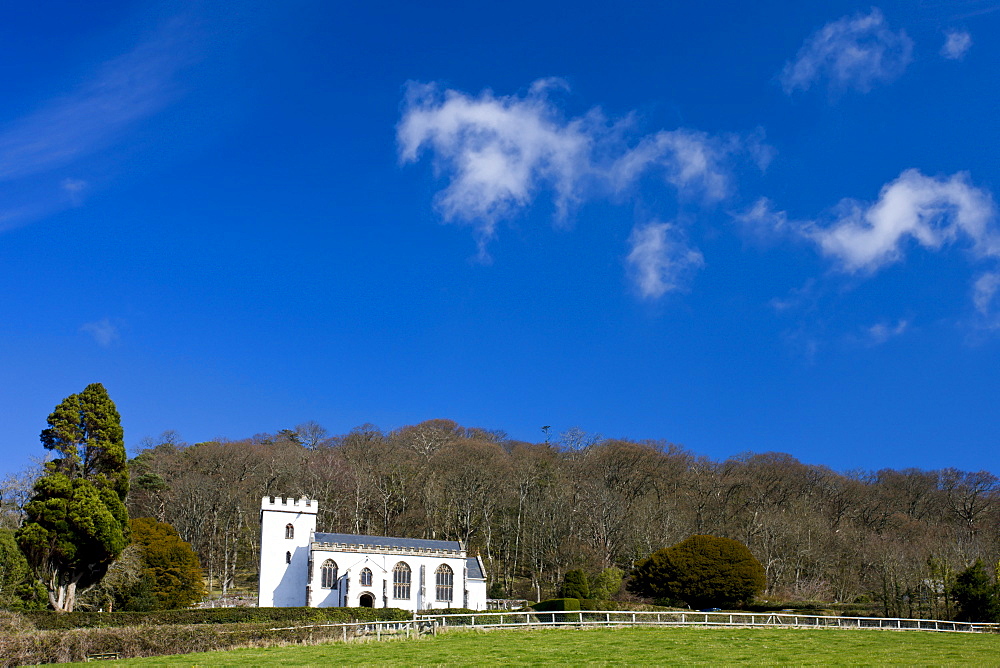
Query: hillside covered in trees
x=896 y=539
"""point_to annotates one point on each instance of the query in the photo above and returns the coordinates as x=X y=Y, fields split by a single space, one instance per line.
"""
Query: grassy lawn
x=627 y=647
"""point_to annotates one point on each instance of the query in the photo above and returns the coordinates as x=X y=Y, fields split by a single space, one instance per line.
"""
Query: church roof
x=386 y=541
x=472 y=566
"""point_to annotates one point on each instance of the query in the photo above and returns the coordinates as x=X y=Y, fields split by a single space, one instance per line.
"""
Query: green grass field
x=626 y=647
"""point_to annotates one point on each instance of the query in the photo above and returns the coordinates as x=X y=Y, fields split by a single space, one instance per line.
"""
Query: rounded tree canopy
x=701 y=571
x=170 y=563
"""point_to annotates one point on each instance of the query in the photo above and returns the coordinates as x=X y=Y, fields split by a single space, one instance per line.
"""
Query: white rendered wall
x=422 y=597
x=285 y=584
x=476 y=590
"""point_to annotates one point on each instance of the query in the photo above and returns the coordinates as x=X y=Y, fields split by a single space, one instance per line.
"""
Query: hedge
x=153 y=638
x=557 y=605
x=50 y=620
x=580 y=604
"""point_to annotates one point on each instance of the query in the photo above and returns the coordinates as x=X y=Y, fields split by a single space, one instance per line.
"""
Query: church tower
x=286 y=529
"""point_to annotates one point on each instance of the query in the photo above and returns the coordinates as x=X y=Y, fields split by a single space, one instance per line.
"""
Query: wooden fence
x=361 y=630
x=724 y=619
x=433 y=624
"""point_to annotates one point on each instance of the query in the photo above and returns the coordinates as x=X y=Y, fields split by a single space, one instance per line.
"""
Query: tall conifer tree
x=77 y=523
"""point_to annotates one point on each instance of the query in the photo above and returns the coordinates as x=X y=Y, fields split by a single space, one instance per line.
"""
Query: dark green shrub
x=575 y=585
x=450 y=611
x=976 y=595
x=702 y=571
x=557 y=605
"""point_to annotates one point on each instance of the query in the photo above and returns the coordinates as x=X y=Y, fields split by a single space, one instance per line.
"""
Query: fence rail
x=432 y=624
x=623 y=618
x=375 y=630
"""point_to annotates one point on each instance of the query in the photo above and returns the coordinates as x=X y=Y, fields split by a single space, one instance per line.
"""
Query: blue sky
x=734 y=226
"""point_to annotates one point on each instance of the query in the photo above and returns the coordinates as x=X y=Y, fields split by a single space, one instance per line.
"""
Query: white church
x=300 y=567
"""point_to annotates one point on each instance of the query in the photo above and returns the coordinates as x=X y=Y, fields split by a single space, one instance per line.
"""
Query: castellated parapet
x=291 y=505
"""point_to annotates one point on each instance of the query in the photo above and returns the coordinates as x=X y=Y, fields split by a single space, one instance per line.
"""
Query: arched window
x=401 y=580
x=288 y=557
x=328 y=574
x=289 y=531
x=444 y=578
x=366 y=577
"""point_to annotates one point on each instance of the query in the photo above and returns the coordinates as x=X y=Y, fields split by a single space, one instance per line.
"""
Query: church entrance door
x=367 y=601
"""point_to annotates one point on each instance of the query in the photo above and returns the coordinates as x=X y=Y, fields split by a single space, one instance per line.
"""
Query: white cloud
x=881 y=332
x=659 y=261
x=984 y=290
x=762 y=221
x=956 y=43
x=853 y=52
x=103 y=331
x=931 y=211
x=694 y=162
x=499 y=152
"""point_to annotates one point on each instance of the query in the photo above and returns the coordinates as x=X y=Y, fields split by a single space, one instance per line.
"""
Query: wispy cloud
x=72 y=126
x=103 y=331
x=984 y=291
x=881 y=332
x=853 y=52
x=696 y=163
x=500 y=152
x=659 y=261
x=763 y=222
x=956 y=44
x=931 y=211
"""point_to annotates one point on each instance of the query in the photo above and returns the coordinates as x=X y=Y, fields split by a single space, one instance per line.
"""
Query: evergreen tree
x=607 y=583
x=575 y=585
x=700 y=571
x=976 y=595
x=171 y=568
x=14 y=569
x=77 y=523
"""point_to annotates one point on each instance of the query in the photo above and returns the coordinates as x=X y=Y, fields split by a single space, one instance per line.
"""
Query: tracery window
x=401 y=580
x=289 y=531
x=366 y=577
x=328 y=574
x=444 y=579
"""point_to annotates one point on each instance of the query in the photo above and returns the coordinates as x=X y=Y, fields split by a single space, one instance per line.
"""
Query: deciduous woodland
x=894 y=538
